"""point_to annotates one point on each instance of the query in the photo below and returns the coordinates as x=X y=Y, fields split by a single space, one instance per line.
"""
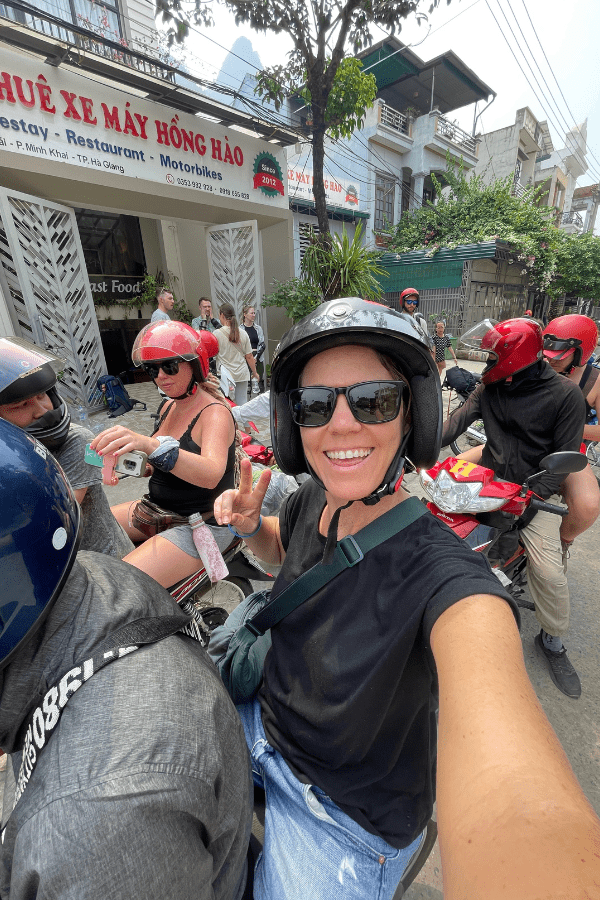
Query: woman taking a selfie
x=342 y=733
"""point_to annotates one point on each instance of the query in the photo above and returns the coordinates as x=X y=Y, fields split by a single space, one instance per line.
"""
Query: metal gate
x=235 y=272
x=45 y=284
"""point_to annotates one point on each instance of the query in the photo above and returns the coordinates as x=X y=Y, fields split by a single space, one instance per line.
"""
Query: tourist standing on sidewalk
x=235 y=352
x=256 y=335
x=205 y=321
x=166 y=302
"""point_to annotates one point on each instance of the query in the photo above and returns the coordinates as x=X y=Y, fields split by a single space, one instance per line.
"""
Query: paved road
x=577 y=723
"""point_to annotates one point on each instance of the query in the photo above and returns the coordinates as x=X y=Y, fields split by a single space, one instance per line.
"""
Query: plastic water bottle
x=255 y=387
x=82 y=415
x=208 y=549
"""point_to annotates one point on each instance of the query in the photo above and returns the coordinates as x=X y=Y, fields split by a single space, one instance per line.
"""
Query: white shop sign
x=60 y=116
x=339 y=192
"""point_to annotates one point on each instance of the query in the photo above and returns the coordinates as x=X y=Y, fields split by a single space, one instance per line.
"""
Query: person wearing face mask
x=528 y=411
x=29 y=399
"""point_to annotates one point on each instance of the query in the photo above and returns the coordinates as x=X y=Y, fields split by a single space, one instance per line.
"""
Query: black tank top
x=180 y=496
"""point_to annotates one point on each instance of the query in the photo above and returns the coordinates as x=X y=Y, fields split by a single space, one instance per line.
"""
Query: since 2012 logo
x=268 y=176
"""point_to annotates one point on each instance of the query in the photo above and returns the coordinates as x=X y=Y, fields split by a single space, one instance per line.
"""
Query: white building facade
x=143 y=175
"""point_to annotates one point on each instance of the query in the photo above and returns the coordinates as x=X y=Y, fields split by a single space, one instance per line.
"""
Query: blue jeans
x=312 y=849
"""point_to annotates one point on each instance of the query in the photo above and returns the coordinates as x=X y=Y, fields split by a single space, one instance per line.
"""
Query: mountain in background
x=241 y=60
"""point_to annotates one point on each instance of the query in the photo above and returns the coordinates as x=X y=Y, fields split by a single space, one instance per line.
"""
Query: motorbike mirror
x=564 y=463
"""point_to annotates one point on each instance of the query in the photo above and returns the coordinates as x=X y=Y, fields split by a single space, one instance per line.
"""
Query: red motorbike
x=487 y=512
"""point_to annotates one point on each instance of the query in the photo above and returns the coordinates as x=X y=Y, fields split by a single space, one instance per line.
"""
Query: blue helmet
x=39 y=535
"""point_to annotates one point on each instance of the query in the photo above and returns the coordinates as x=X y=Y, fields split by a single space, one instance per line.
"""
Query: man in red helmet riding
x=569 y=342
x=528 y=412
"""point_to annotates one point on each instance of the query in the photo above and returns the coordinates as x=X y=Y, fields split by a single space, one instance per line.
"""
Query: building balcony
x=455 y=135
x=101 y=38
x=571 y=222
x=59 y=42
x=392 y=128
x=440 y=135
x=393 y=119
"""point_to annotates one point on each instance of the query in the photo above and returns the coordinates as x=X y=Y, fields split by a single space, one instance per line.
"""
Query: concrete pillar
x=416 y=199
x=171 y=254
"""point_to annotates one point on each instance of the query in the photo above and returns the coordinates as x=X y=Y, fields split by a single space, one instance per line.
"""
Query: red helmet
x=568 y=333
x=511 y=346
x=528 y=313
x=408 y=292
x=164 y=340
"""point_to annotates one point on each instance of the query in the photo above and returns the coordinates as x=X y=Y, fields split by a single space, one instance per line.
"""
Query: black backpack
x=116 y=397
x=462 y=381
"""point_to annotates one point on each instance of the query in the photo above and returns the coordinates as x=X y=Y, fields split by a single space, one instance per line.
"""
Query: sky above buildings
x=502 y=41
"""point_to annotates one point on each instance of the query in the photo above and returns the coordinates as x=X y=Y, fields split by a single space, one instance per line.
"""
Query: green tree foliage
x=470 y=212
x=341 y=268
x=578 y=264
x=324 y=33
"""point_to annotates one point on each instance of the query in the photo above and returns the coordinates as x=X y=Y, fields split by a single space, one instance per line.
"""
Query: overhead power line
x=508 y=43
x=530 y=55
x=555 y=78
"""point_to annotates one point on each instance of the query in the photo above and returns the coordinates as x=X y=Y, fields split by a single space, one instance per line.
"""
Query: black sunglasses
x=169 y=367
x=371 y=402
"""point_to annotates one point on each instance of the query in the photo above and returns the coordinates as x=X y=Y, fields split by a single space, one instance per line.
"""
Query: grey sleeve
x=71 y=458
x=152 y=845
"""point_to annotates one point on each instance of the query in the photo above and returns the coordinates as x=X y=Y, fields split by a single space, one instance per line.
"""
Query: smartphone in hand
x=133 y=463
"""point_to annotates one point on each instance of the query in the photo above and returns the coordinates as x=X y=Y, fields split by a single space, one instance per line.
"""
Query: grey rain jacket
x=143 y=790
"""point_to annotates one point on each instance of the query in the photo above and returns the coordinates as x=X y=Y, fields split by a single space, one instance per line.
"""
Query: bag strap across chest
x=348 y=552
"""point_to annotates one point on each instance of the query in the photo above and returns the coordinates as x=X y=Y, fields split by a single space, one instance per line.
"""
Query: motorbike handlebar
x=542 y=506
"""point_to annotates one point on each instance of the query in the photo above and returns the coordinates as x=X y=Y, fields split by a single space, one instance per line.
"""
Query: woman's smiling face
x=350 y=458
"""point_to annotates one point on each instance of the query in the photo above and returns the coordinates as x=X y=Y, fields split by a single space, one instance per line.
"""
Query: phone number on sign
x=185 y=182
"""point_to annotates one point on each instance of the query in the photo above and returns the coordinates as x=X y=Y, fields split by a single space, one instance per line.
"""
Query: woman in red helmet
x=569 y=342
x=192 y=451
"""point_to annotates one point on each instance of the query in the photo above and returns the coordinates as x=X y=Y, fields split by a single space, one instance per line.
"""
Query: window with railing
x=101 y=19
x=384 y=202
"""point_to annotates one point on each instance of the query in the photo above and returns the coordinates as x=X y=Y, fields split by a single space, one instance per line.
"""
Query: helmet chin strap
x=191 y=389
x=389 y=485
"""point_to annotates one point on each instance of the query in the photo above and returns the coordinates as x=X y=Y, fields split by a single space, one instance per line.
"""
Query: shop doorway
x=235 y=270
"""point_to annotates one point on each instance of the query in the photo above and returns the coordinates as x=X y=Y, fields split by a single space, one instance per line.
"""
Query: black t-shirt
x=349 y=695
x=253 y=335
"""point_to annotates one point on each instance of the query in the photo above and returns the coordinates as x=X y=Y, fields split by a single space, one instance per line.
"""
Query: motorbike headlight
x=457 y=496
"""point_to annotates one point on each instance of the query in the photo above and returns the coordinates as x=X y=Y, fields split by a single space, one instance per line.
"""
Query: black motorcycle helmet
x=355 y=321
x=26 y=371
